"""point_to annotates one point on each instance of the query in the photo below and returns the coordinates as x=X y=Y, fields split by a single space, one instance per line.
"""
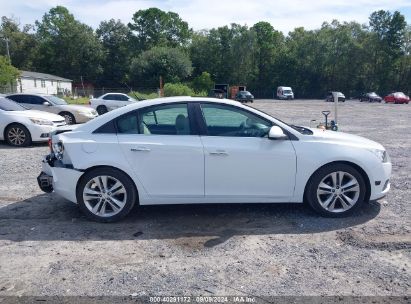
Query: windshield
x=9 y=105
x=299 y=129
x=287 y=91
x=55 y=100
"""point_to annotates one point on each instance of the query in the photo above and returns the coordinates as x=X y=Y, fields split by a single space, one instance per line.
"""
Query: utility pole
x=7 y=46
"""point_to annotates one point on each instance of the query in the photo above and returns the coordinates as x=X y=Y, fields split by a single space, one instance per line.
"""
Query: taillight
x=50 y=145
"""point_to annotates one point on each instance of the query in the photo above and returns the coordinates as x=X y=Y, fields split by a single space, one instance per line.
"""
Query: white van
x=285 y=93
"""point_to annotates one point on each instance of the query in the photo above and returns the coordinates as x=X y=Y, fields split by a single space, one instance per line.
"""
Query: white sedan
x=185 y=150
x=20 y=126
x=110 y=101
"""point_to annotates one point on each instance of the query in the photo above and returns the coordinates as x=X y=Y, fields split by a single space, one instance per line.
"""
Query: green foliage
x=170 y=63
x=153 y=28
x=8 y=73
x=143 y=95
x=202 y=82
x=79 y=100
x=67 y=47
x=114 y=38
x=177 y=89
x=345 y=56
x=21 y=42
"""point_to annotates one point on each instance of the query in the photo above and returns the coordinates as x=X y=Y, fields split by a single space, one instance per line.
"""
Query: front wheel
x=106 y=194
x=18 y=135
x=69 y=118
x=336 y=190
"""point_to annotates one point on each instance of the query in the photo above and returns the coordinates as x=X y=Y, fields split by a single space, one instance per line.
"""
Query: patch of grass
x=143 y=95
x=79 y=100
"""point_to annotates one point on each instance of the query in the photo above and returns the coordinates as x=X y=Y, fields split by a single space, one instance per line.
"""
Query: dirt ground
x=47 y=247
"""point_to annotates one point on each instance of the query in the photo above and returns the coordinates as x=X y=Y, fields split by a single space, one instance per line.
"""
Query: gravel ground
x=48 y=248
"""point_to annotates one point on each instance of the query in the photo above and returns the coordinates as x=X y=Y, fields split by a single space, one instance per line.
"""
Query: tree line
x=344 y=56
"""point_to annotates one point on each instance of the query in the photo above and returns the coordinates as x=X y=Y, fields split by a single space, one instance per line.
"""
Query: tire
x=100 y=204
x=17 y=135
x=334 y=197
x=70 y=119
x=101 y=110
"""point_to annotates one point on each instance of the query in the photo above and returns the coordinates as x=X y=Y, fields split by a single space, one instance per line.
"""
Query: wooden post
x=161 y=87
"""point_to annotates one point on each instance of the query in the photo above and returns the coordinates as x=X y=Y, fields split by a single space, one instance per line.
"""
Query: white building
x=40 y=83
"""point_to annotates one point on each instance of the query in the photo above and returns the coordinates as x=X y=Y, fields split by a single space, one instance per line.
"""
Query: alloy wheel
x=16 y=136
x=68 y=118
x=104 y=196
x=338 y=191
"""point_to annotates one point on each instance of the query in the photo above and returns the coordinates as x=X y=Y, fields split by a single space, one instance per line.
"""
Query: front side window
x=222 y=120
x=171 y=119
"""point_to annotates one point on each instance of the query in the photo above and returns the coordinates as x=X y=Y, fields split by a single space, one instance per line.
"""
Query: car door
x=240 y=161
x=162 y=146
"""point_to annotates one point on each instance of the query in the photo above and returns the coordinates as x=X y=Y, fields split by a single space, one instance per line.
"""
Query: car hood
x=38 y=114
x=76 y=108
x=343 y=138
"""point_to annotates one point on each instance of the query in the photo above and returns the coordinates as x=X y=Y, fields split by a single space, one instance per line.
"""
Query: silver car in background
x=73 y=114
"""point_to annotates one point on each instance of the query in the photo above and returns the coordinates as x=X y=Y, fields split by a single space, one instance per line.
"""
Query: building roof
x=27 y=74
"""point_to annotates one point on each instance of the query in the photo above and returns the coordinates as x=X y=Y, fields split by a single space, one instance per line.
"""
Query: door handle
x=140 y=149
x=219 y=152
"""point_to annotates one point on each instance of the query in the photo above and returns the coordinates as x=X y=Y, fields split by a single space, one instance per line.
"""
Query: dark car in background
x=397 y=97
x=370 y=97
x=244 y=96
x=330 y=98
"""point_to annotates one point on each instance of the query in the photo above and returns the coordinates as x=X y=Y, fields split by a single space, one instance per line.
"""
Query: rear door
x=162 y=146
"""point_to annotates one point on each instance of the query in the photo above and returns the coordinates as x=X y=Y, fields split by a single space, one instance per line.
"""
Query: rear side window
x=127 y=124
x=169 y=119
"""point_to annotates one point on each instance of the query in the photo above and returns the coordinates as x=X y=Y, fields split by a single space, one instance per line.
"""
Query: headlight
x=58 y=149
x=86 y=113
x=382 y=155
x=39 y=121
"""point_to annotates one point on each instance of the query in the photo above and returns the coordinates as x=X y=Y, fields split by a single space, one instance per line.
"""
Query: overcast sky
x=203 y=14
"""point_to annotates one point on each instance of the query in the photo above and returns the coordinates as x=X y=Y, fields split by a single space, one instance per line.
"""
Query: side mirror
x=276 y=133
x=46 y=103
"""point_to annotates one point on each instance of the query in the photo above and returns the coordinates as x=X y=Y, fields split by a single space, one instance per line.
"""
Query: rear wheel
x=101 y=110
x=106 y=194
x=17 y=135
x=336 y=190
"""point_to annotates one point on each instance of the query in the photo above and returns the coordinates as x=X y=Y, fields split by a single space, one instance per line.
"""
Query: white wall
x=28 y=85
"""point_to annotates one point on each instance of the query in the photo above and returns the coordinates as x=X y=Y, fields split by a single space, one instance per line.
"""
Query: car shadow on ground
x=5 y=146
x=50 y=217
